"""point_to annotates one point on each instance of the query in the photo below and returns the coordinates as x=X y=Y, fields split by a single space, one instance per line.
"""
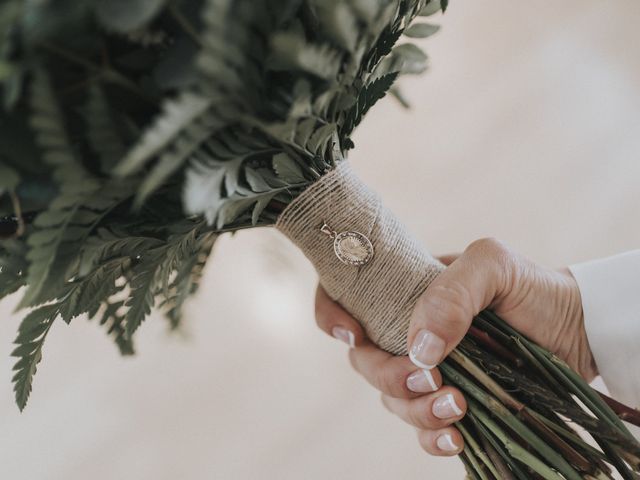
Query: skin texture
x=542 y=303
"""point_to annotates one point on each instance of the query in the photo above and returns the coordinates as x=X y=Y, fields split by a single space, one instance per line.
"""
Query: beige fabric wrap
x=382 y=293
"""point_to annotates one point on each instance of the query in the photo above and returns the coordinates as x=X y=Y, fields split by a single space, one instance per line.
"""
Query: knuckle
x=449 y=303
x=490 y=249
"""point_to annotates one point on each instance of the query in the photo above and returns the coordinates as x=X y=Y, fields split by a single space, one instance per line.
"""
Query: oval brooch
x=351 y=248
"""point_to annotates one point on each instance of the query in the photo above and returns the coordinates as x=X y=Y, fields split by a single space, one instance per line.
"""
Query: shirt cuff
x=610 y=290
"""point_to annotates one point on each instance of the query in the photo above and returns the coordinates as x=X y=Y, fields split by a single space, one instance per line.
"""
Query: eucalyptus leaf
x=433 y=7
x=287 y=169
x=421 y=30
x=409 y=58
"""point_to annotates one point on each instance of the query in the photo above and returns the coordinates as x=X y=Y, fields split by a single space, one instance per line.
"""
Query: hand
x=542 y=303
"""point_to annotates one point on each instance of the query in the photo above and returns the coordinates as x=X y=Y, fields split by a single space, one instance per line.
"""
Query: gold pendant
x=351 y=248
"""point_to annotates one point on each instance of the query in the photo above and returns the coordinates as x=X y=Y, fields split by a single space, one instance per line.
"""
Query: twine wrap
x=382 y=293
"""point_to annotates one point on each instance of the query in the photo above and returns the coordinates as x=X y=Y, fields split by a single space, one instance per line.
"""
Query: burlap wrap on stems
x=382 y=293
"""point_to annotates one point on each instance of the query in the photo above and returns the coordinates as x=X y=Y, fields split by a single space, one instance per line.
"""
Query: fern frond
x=152 y=274
x=86 y=294
x=70 y=227
x=291 y=51
x=32 y=333
x=217 y=176
x=103 y=134
x=176 y=117
x=180 y=248
x=114 y=321
x=230 y=61
x=143 y=283
x=112 y=243
x=381 y=48
x=187 y=279
x=368 y=96
x=74 y=183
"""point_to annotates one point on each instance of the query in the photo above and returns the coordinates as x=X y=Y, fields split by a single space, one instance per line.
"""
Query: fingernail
x=344 y=335
x=445 y=443
x=427 y=350
x=421 y=381
x=446 y=407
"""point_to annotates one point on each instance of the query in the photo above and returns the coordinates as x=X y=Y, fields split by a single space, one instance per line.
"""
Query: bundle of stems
x=523 y=402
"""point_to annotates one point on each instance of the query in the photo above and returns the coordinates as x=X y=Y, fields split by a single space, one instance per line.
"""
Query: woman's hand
x=542 y=303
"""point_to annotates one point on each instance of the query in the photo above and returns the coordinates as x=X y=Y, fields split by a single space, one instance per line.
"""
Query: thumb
x=443 y=314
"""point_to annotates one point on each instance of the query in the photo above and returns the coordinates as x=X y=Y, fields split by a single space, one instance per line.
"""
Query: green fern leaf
x=86 y=294
x=187 y=279
x=154 y=271
x=143 y=284
x=230 y=61
x=291 y=51
x=103 y=134
x=31 y=336
x=216 y=171
x=75 y=186
x=367 y=98
x=177 y=115
x=108 y=244
x=179 y=249
x=381 y=49
x=114 y=321
x=240 y=202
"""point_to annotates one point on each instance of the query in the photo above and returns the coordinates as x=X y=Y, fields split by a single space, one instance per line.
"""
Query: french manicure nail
x=427 y=349
x=445 y=443
x=421 y=381
x=344 y=335
x=446 y=407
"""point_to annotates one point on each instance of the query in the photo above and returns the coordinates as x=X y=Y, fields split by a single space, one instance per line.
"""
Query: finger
x=336 y=321
x=449 y=258
x=443 y=314
x=443 y=442
x=431 y=411
x=393 y=376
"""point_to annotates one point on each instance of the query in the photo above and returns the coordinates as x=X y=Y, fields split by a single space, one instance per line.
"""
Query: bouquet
x=134 y=133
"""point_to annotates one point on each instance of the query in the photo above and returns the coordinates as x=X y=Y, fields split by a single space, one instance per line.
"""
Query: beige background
x=527 y=129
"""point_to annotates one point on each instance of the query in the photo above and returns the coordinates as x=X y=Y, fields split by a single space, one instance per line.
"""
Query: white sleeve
x=610 y=290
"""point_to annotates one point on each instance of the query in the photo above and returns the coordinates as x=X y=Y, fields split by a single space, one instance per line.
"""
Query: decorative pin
x=351 y=248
